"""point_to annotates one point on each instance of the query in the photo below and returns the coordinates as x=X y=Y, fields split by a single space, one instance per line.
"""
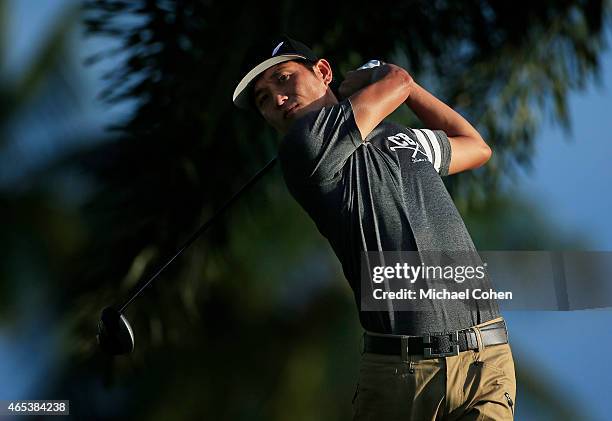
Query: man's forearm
x=436 y=115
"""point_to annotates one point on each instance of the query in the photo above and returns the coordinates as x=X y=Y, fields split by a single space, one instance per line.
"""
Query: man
x=371 y=186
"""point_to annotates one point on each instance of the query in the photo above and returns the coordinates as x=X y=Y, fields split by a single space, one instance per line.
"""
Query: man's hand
x=365 y=75
x=354 y=81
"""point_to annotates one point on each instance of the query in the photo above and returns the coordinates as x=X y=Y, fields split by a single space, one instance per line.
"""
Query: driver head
x=115 y=335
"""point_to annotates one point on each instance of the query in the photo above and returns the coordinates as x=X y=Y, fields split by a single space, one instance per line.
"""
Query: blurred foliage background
x=255 y=321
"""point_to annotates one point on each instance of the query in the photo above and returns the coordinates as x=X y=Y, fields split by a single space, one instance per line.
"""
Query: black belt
x=436 y=345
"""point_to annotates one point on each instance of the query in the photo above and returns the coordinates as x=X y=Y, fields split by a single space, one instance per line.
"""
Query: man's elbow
x=483 y=155
x=486 y=153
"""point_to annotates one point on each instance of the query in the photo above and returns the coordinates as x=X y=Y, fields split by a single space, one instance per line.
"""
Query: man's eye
x=283 y=77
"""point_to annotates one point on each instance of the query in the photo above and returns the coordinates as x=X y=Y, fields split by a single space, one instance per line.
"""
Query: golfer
x=371 y=185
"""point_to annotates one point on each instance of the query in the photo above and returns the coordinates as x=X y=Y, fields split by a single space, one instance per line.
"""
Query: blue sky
x=572 y=172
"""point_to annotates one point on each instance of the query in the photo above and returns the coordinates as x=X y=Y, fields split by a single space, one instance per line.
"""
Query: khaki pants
x=474 y=385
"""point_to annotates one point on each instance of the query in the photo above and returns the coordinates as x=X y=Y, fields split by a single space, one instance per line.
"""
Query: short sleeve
x=436 y=146
x=319 y=144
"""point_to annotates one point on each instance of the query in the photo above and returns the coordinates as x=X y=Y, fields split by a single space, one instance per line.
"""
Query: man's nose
x=281 y=99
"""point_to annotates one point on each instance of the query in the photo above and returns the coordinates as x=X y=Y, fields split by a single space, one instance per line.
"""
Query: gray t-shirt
x=381 y=194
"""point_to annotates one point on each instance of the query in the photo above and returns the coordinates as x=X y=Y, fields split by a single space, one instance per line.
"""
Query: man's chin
x=300 y=112
x=296 y=115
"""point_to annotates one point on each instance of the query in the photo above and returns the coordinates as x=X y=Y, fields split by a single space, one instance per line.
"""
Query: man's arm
x=378 y=94
x=468 y=148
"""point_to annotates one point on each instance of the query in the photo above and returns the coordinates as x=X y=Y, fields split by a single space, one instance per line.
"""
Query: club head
x=115 y=335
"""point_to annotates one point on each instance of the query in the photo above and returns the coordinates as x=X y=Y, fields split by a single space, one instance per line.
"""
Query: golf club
x=115 y=335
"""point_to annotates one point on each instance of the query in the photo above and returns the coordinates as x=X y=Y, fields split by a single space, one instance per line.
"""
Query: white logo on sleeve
x=277 y=48
x=403 y=141
x=426 y=146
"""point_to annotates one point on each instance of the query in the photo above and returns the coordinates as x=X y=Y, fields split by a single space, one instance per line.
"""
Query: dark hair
x=309 y=64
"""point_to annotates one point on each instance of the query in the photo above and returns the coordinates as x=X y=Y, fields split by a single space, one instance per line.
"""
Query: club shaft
x=201 y=230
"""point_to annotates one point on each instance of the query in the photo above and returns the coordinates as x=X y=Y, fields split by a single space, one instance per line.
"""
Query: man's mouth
x=291 y=110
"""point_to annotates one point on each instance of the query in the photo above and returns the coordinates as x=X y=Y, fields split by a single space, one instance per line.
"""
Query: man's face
x=288 y=90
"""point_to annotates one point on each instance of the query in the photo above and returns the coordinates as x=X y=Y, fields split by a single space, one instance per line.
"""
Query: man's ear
x=323 y=70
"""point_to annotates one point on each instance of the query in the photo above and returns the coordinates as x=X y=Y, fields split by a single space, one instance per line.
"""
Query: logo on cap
x=277 y=47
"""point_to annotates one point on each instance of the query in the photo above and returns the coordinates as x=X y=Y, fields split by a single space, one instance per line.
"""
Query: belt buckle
x=454 y=346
